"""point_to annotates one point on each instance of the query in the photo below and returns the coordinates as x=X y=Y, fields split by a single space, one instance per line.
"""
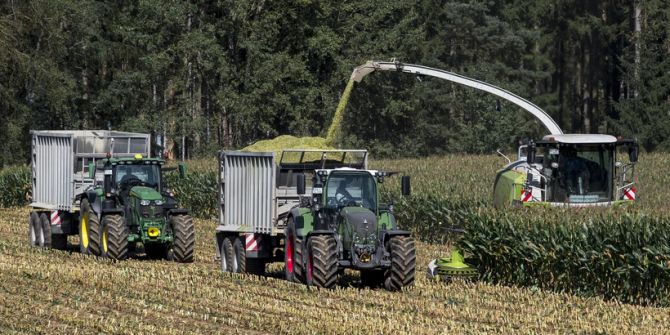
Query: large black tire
x=89 y=230
x=322 y=262
x=114 y=237
x=45 y=231
x=294 y=268
x=372 y=278
x=403 y=263
x=184 y=238
x=228 y=261
x=252 y=266
x=34 y=227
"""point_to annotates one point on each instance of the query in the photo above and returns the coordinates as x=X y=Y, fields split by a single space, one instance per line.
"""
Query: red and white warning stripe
x=252 y=242
x=629 y=193
x=55 y=218
x=526 y=195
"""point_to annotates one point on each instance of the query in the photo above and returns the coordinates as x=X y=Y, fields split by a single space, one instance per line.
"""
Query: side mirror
x=300 y=181
x=406 y=187
x=182 y=170
x=632 y=153
x=91 y=170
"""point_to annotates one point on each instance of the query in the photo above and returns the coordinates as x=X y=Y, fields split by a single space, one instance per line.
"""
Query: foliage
x=15 y=186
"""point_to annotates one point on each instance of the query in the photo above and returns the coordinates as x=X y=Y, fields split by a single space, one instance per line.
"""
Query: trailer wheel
x=34 y=229
x=184 y=238
x=114 y=237
x=254 y=266
x=403 y=263
x=372 y=278
x=89 y=230
x=45 y=231
x=228 y=261
x=293 y=250
x=322 y=261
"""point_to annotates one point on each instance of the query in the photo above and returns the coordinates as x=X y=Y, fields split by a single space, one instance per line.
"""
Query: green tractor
x=344 y=226
x=134 y=207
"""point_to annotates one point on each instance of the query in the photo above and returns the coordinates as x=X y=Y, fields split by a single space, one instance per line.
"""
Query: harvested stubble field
x=58 y=292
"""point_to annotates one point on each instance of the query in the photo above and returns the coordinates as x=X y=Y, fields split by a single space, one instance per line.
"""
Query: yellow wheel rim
x=104 y=240
x=84 y=231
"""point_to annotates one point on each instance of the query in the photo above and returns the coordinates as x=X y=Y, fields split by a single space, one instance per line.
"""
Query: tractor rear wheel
x=228 y=255
x=322 y=262
x=403 y=263
x=45 y=231
x=184 y=238
x=372 y=278
x=114 y=237
x=89 y=230
x=252 y=266
x=34 y=227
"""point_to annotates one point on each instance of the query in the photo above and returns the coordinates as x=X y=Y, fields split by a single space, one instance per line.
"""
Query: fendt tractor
x=572 y=170
x=102 y=186
x=318 y=211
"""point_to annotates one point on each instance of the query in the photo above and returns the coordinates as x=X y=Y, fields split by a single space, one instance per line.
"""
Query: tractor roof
x=136 y=160
x=580 y=138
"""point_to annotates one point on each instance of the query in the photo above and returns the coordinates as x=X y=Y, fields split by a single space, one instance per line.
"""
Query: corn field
x=57 y=292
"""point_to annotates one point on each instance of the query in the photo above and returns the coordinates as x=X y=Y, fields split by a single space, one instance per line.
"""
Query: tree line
x=224 y=74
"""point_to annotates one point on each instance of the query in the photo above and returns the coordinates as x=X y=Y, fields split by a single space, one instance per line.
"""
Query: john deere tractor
x=133 y=206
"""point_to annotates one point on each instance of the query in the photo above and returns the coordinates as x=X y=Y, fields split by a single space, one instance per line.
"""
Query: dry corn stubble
x=59 y=292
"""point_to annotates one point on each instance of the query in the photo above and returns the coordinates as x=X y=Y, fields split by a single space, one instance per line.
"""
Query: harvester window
x=584 y=173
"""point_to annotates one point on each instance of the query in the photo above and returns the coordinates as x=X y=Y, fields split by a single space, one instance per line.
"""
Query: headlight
x=145 y=202
x=158 y=202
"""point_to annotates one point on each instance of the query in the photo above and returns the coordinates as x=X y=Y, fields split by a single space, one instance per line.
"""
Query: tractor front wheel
x=322 y=262
x=89 y=230
x=114 y=237
x=403 y=263
x=184 y=238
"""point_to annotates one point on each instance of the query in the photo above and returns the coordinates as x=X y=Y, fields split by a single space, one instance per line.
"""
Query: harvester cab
x=137 y=207
x=572 y=170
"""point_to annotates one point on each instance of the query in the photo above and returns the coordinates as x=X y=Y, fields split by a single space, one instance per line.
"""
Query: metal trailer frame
x=252 y=201
x=59 y=168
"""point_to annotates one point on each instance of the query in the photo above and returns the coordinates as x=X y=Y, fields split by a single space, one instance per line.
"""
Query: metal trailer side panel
x=60 y=162
x=52 y=158
x=247 y=192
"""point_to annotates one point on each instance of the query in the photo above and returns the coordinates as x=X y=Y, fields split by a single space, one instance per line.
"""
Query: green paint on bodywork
x=304 y=223
x=508 y=188
x=385 y=219
x=145 y=193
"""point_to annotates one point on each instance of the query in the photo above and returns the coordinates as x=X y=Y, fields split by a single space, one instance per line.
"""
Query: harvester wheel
x=45 y=231
x=34 y=228
x=184 y=238
x=403 y=263
x=372 y=278
x=322 y=261
x=293 y=250
x=89 y=230
x=252 y=266
x=228 y=255
x=114 y=237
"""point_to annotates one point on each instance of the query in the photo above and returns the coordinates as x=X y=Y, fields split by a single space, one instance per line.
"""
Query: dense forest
x=224 y=74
